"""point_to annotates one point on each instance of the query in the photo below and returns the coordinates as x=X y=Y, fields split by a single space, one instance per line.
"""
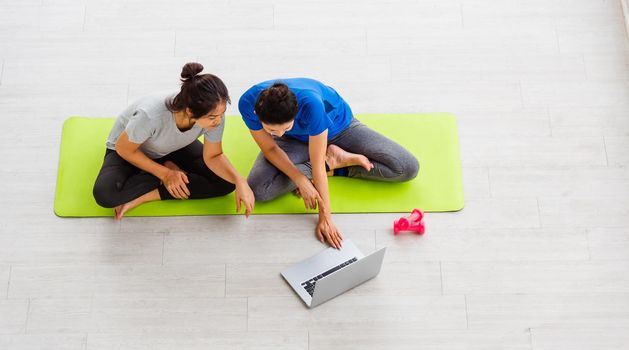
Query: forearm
x=140 y=160
x=222 y=167
x=320 y=179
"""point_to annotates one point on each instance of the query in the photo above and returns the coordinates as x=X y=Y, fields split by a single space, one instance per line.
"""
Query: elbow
x=121 y=151
x=126 y=155
x=212 y=158
x=268 y=152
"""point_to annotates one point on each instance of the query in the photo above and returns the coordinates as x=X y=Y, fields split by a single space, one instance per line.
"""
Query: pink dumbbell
x=413 y=222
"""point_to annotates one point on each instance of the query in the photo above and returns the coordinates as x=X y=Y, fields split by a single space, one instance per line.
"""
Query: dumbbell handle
x=416 y=215
x=404 y=223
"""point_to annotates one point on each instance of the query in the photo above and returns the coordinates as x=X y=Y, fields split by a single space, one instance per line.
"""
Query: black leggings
x=120 y=182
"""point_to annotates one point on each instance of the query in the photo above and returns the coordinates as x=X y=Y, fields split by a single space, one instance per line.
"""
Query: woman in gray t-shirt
x=153 y=151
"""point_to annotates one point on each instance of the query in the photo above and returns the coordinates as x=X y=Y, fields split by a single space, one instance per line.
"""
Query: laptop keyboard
x=309 y=285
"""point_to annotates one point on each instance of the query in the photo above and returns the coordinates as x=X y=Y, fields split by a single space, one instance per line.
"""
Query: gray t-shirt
x=148 y=122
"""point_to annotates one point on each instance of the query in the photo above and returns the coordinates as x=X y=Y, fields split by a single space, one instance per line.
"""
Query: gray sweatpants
x=391 y=161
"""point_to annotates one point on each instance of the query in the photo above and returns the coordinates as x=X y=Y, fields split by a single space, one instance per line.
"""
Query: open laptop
x=332 y=272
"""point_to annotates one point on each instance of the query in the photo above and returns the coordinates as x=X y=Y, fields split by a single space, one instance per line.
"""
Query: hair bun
x=190 y=70
x=276 y=104
x=279 y=89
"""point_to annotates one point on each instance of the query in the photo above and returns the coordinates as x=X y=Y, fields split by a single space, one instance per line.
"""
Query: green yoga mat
x=431 y=137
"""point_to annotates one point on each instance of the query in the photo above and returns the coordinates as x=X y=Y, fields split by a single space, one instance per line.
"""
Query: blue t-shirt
x=319 y=107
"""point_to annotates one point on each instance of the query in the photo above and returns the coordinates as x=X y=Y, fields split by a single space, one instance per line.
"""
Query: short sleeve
x=314 y=113
x=140 y=127
x=246 y=108
x=216 y=134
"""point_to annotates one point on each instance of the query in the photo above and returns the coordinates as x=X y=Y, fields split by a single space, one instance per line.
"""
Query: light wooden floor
x=538 y=259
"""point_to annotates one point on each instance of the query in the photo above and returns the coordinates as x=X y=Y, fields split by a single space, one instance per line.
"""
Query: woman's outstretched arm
x=326 y=229
x=218 y=162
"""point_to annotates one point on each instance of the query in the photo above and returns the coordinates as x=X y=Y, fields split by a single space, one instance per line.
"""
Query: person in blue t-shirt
x=307 y=132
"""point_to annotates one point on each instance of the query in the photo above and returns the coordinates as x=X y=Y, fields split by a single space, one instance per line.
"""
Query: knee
x=103 y=195
x=226 y=188
x=411 y=169
x=405 y=169
x=262 y=196
x=260 y=191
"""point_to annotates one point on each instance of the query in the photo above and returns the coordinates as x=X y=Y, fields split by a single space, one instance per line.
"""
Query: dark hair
x=199 y=92
x=276 y=104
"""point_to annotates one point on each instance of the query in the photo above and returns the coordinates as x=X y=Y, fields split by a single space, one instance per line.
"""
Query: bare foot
x=336 y=157
x=120 y=210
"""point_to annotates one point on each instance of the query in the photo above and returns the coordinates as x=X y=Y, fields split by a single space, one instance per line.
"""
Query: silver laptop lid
x=317 y=264
x=348 y=277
